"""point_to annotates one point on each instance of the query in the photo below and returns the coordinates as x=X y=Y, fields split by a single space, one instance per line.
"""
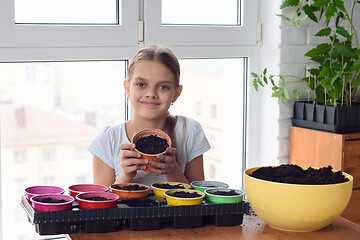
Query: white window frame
x=51 y=35
x=245 y=34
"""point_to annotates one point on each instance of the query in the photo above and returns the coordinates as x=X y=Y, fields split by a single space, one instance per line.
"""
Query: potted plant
x=331 y=103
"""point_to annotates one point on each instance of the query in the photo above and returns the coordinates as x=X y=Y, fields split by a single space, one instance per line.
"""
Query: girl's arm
x=194 y=170
x=102 y=173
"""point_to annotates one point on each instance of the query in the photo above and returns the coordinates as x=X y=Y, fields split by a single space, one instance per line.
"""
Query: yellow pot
x=297 y=207
x=177 y=201
x=160 y=192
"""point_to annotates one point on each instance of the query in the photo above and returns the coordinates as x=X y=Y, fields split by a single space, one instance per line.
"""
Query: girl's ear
x=177 y=93
x=127 y=87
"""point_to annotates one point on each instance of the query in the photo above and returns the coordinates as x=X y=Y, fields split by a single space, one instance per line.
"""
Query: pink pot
x=39 y=206
x=40 y=190
x=86 y=187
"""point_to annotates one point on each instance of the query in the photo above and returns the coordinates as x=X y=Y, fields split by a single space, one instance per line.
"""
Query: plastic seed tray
x=137 y=215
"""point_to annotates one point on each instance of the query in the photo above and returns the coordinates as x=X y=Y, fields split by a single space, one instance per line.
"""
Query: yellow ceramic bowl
x=297 y=207
x=177 y=201
x=160 y=192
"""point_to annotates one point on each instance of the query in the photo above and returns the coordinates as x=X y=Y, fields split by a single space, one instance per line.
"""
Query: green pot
x=212 y=197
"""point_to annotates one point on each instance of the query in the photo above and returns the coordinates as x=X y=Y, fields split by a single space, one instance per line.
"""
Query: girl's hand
x=130 y=162
x=168 y=166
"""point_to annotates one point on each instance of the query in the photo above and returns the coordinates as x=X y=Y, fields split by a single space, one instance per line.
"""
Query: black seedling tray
x=137 y=215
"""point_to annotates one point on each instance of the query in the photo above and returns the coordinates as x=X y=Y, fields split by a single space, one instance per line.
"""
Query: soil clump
x=151 y=144
x=225 y=193
x=180 y=194
x=97 y=198
x=134 y=187
x=290 y=173
x=168 y=186
x=50 y=200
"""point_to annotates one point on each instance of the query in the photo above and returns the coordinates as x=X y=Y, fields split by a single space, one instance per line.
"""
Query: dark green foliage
x=338 y=72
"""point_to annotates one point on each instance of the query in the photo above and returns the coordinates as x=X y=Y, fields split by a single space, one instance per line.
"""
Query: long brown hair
x=165 y=56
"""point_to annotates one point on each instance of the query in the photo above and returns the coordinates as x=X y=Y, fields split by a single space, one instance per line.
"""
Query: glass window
x=212 y=171
x=200 y=12
x=67 y=11
x=213 y=111
x=48 y=154
x=54 y=127
x=20 y=156
x=198 y=108
x=49 y=180
x=81 y=152
x=216 y=80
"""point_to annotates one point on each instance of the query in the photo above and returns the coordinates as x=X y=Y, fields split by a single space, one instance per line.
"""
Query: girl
x=152 y=87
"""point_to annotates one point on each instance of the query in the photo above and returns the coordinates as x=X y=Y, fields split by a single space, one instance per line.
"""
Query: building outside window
x=20 y=156
x=213 y=111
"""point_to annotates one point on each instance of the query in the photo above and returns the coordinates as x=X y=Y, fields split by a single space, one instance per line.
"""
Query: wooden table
x=253 y=228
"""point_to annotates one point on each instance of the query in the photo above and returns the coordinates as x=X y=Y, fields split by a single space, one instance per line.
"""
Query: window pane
x=49 y=114
x=67 y=11
x=213 y=84
x=200 y=12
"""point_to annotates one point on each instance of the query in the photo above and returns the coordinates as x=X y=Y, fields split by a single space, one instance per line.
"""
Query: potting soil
x=291 y=173
x=151 y=144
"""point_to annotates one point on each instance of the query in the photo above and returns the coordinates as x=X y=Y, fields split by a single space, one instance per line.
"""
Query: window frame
x=244 y=34
x=54 y=35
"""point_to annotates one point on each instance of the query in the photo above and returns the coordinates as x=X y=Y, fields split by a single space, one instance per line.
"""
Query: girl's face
x=151 y=89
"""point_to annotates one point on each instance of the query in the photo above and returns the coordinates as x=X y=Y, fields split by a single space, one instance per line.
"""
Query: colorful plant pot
x=297 y=207
x=146 y=133
x=129 y=194
x=53 y=202
x=86 y=187
x=224 y=195
x=40 y=190
x=203 y=185
x=182 y=201
x=159 y=191
x=87 y=200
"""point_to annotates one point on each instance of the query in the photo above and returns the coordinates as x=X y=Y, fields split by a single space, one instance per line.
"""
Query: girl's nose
x=151 y=93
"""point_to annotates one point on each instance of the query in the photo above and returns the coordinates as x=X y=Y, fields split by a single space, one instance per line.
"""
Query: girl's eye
x=140 y=84
x=164 y=87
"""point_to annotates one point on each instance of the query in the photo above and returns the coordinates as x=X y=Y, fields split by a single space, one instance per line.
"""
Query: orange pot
x=146 y=133
x=127 y=194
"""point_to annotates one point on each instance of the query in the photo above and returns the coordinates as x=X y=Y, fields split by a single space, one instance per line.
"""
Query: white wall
x=268 y=127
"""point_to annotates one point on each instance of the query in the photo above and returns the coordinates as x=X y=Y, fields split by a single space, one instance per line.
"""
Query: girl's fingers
x=127 y=146
x=135 y=161
x=131 y=154
x=171 y=151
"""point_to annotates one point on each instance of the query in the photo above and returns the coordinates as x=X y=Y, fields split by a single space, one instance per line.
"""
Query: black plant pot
x=339 y=119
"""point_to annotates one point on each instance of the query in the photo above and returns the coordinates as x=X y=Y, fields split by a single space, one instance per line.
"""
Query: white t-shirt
x=191 y=142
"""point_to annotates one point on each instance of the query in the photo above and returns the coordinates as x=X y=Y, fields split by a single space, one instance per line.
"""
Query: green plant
x=337 y=76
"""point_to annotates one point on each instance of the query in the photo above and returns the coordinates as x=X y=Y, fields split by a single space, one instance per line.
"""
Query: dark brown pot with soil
x=150 y=143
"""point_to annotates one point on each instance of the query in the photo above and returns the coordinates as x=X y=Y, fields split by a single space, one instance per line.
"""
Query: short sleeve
x=197 y=143
x=103 y=146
